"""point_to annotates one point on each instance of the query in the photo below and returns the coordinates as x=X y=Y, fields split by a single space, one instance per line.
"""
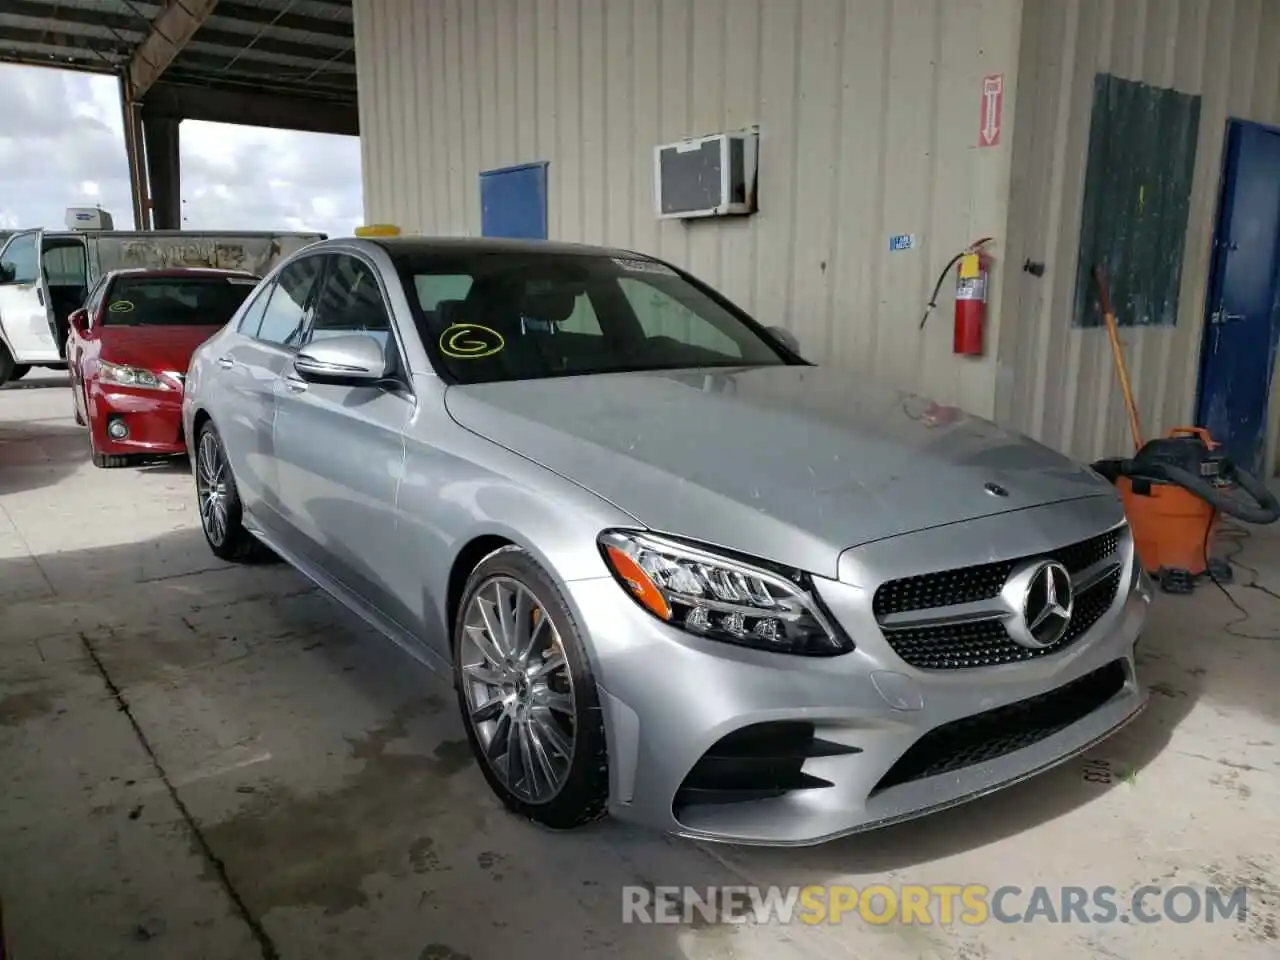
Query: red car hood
x=157 y=348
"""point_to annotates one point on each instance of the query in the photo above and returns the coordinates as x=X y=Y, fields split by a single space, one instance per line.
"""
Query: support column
x=163 y=172
x=133 y=149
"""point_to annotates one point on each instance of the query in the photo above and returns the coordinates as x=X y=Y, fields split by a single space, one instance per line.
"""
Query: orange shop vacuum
x=1177 y=488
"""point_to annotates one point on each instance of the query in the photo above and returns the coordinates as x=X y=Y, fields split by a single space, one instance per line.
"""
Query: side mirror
x=7 y=273
x=787 y=338
x=79 y=320
x=353 y=360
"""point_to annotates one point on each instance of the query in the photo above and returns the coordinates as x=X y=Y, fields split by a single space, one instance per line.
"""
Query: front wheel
x=527 y=694
x=221 y=514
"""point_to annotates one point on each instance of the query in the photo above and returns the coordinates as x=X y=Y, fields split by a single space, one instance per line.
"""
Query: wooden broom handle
x=1113 y=333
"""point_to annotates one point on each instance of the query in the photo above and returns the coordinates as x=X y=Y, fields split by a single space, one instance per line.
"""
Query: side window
x=64 y=265
x=583 y=319
x=660 y=315
x=22 y=259
x=251 y=319
x=350 y=302
x=93 y=301
x=286 y=310
x=431 y=288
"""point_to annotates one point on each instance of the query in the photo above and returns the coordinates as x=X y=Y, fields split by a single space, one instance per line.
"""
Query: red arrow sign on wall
x=992 y=107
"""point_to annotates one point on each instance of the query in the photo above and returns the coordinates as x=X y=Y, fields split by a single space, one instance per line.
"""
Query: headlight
x=130 y=376
x=720 y=598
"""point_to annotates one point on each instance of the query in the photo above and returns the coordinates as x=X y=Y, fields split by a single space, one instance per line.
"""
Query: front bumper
x=153 y=419
x=670 y=698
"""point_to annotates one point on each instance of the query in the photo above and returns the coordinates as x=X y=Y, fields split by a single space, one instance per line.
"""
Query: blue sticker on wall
x=902 y=241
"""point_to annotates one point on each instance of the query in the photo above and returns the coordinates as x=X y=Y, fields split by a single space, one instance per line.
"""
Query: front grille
x=986 y=643
x=985 y=736
x=983 y=581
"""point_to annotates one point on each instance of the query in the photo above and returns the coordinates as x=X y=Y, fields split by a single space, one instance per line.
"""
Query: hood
x=791 y=463
x=155 y=347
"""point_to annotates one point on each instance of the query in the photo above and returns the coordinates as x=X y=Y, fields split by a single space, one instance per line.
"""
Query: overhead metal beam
x=252 y=108
x=171 y=30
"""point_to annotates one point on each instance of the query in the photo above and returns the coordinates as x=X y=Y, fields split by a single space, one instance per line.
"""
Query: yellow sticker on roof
x=470 y=341
x=121 y=306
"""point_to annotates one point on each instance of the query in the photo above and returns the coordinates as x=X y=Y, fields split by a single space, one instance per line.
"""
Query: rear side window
x=174 y=301
x=286 y=313
x=251 y=319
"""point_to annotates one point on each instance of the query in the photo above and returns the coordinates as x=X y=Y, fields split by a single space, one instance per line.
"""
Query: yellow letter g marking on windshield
x=470 y=341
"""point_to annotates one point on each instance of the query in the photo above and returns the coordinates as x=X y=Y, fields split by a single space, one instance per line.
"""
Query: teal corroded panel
x=1142 y=154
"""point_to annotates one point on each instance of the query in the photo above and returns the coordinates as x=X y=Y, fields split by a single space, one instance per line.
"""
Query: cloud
x=61 y=145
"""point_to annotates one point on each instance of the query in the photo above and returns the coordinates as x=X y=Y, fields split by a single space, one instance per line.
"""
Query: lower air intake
x=759 y=762
x=986 y=736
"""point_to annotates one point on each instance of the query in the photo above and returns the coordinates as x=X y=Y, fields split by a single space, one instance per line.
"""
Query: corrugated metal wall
x=1059 y=383
x=869 y=116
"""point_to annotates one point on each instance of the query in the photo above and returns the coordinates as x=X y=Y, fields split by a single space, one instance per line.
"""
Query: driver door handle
x=226 y=363
x=295 y=384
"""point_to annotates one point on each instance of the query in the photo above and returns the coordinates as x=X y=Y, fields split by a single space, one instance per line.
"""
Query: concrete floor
x=202 y=761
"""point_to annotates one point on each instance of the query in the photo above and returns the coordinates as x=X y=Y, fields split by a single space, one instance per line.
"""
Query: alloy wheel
x=518 y=689
x=211 y=488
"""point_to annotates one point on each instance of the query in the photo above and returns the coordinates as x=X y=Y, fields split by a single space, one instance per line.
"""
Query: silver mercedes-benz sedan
x=675 y=572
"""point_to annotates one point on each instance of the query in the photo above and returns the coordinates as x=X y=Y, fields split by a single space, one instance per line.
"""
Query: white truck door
x=26 y=315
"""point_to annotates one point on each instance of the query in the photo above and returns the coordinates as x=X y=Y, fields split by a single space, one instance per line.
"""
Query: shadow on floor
x=37 y=453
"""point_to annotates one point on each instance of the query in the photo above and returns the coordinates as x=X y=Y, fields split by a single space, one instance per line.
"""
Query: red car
x=128 y=350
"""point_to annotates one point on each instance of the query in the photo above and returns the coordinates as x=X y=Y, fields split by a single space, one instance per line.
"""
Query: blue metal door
x=513 y=202
x=1238 y=354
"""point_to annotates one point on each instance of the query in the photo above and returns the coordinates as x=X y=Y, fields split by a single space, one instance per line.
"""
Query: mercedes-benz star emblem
x=1042 y=600
x=995 y=489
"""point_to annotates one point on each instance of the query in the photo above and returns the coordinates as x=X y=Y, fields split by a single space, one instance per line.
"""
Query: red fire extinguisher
x=972 y=284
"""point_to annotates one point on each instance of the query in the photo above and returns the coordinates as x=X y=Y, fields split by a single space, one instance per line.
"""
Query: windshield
x=519 y=316
x=175 y=301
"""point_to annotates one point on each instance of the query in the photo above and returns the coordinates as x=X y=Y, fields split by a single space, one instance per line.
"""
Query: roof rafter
x=171 y=30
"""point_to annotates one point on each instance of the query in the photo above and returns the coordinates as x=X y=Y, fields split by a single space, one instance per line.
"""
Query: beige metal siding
x=868 y=111
x=1059 y=383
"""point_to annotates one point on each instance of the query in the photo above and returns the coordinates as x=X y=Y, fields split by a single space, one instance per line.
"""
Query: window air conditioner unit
x=712 y=176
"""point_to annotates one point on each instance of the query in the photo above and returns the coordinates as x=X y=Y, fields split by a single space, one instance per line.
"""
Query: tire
x=581 y=794
x=111 y=462
x=228 y=539
x=19 y=371
x=7 y=366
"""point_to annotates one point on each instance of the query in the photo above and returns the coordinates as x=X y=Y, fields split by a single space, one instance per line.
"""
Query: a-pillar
x=163 y=172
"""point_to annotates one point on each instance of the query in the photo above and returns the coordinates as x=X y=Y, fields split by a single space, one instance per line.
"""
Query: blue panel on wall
x=513 y=202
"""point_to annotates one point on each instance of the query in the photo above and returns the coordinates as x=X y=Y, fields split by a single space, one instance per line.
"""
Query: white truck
x=45 y=275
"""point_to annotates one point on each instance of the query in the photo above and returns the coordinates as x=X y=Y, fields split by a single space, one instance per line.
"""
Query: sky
x=62 y=145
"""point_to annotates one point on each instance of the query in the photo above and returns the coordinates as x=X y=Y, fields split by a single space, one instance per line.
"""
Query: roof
x=175 y=234
x=472 y=245
x=301 y=50
x=174 y=273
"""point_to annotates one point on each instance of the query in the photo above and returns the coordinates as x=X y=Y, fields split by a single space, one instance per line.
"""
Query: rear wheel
x=527 y=694
x=221 y=514
x=7 y=366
